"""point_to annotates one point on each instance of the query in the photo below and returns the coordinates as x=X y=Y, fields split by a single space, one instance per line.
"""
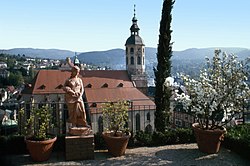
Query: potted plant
x=215 y=98
x=116 y=134
x=39 y=142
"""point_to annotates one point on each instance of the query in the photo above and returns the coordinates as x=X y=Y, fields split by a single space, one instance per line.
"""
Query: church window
x=149 y=129
x=132 y=50
x=148 y=116
x=137 y=122
x=132 y=60
x=139 y=60
x=100 y=124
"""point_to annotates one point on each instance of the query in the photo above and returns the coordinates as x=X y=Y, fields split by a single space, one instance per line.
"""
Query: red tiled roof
x=118 y=85
x=97 y=78
x=114 y=94
x=48 y=81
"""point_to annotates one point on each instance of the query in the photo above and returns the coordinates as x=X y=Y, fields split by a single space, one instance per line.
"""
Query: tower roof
x=134 y=29
x=76 y=60
x=134 y=39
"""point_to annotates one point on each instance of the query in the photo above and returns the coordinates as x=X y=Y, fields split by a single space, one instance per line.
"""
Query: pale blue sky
x=81 y=25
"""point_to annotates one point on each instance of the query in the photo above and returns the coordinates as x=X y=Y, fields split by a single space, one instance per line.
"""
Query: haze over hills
x=40 y=53
x=115 y=59
x=188 y=61
x=117 y=56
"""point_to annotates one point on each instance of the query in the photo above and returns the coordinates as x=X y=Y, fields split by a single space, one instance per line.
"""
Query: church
x=100 y=86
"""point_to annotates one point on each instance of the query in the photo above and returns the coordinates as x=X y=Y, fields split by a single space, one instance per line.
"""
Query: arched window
x=137 y=122
x=131 y=50
x=100 y=124
x=139 y=60
x=40 y=105
x=132 y=60
x=126 y=50
x=126 y=60
x=54 y=112
x=148 y=116
x=148 y=129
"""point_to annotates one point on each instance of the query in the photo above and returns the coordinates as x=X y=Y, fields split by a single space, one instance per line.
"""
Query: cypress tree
x=163 y=70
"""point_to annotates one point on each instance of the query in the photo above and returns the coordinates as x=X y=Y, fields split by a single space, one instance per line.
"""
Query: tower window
x=126 y=60
x=132 y=60
x=126 y=50
x=143 y=60
x=132 y=50
x=139 y=60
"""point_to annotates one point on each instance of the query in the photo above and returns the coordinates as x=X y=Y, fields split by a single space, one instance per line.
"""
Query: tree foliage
x=163 y=70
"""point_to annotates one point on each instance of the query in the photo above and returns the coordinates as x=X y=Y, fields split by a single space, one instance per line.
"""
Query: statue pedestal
x=80 y=131
x=79 y=147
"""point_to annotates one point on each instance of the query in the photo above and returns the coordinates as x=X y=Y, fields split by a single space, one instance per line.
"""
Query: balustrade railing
x=141 y=117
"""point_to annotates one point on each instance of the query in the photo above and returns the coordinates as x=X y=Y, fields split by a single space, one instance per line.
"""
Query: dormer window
x=88 y=86
x=59 y=86
x=120 y=85
x=42 y=87
x=105 y=85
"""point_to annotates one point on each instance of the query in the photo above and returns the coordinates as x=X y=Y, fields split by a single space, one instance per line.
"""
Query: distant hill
x=200 y=54
x=40 y=53
x=188 y=61
x=115 y=58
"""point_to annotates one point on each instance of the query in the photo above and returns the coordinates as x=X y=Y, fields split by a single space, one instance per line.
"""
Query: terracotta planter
x=208 y=141
x=116 y=144
x=40 y=150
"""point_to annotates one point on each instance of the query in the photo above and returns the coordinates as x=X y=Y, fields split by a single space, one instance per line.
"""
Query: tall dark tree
x=163 y=70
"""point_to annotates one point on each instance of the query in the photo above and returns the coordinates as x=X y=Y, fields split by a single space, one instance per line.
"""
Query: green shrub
x=3 y=145
x=184 y=135
x=143 y=138
x=99 y=141
x=170 y=136
x=12 y=144
x=238 y=139
x=59 y=145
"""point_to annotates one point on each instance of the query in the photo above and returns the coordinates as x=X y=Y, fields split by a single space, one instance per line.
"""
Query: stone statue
x=76 y=111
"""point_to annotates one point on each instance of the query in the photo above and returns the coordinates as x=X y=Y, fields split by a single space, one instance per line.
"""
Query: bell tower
x=135 y=57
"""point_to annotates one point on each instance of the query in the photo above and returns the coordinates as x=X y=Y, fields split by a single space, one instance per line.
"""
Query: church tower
x=135 y=57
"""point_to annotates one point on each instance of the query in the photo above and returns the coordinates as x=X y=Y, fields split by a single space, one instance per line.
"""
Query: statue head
x=75 y=71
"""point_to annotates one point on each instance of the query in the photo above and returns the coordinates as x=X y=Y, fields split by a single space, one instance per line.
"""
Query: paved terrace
x=183 y=154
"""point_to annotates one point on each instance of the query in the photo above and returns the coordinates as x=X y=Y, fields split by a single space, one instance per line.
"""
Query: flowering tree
x=220 y=92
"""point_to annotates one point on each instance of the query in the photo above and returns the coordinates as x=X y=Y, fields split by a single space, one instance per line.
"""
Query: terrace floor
x=182 y=154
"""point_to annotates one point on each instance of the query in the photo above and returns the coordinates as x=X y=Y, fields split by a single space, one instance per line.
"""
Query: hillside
x=40 y=53
x=188 y=61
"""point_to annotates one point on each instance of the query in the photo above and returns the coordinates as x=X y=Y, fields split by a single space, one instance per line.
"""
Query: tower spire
x=134 y=10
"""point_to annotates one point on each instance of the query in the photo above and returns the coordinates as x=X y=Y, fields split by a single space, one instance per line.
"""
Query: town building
x=135 y=57
x=100 y=86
